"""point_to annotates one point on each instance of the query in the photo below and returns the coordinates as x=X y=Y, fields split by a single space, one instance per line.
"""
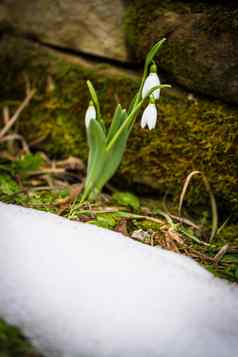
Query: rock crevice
x=201 y=53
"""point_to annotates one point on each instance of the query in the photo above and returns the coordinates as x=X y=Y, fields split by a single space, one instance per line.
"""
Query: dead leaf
x=121 y=227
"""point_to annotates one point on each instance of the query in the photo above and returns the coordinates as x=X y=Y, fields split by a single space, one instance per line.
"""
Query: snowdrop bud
x=90 y=114
x=149 y=116
x=151 y=81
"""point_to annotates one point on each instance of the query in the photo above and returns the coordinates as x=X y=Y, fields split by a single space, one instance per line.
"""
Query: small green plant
x=106 y=146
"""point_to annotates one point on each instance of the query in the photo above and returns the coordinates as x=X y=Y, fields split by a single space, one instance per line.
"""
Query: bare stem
x=16 y=137
x=14 y=118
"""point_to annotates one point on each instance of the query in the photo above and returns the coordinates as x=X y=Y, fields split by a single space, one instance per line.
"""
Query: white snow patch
x=79 y=290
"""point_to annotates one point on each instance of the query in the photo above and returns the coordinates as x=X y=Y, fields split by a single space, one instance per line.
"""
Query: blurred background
x=53 y=46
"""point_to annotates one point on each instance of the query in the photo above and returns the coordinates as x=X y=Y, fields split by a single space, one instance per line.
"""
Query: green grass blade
x=151 y=54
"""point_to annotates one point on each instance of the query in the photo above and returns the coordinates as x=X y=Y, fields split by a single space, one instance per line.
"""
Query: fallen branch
x=14 y=118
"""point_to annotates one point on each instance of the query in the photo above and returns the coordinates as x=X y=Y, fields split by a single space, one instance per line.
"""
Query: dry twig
x=212 y=199
x=221 y=253
x=14 y=118
x=11 y=137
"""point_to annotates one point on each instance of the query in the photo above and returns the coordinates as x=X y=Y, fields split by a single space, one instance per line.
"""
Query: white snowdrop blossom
x=110 y=141
x=151 y=81
x=90 y=114
x=149 y=116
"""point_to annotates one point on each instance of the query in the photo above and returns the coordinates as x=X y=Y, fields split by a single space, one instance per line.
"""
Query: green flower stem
x=149 y=59
x=132 y=115
x=129 y=119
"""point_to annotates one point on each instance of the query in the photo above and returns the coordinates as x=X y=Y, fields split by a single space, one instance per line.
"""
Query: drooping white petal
x=151 y=81
x=151 y=122
x=143 y=122
x=149 y=116
x=90 y=115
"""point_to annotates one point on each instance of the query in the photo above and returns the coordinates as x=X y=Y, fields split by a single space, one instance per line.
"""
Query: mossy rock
x=200 y=54
x=201 y=50
x=192 y=133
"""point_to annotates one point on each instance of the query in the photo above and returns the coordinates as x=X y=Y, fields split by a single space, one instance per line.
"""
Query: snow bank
x=79 y=290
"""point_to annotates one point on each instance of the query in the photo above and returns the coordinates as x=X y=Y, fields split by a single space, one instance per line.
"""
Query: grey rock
x=201 y=53
x=92 y=26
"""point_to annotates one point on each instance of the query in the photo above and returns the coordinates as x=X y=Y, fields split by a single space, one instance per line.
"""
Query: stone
x=201 y=53
x=92 y=26
x=201 y=50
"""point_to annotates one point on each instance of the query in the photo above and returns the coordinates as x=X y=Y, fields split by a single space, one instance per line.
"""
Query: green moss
x=12 y=343
x=191 y=134
x=108 y=220
x=147 y=225
x=229 y=234
x=142 y=27
x=127 y=199
x=141 y=23
x=187 y=56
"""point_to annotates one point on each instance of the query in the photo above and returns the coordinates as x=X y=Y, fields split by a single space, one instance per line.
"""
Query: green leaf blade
x=97 y=149
x=152 y=53
x=127 y=199
x=117 y=120
x=95 y=100
x=149 y=58
x=114 y=155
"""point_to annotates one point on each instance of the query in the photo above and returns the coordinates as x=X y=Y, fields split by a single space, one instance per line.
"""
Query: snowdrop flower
x=90 y=114
x=151 y=81
x=149 y=116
